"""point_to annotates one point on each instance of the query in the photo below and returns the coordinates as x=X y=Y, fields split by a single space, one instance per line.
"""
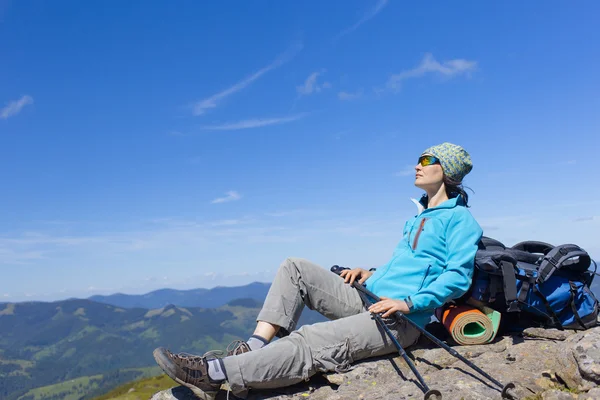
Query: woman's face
x=428 y=172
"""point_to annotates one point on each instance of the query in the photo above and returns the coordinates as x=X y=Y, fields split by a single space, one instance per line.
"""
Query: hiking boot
x=237 y=347
x=188 y=370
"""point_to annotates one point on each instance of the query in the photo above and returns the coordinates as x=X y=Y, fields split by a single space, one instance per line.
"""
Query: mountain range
x=209 y=298
x=99 y=346
x=205 y=298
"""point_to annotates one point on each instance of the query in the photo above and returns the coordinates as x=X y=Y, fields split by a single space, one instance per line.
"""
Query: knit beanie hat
x=456 y=162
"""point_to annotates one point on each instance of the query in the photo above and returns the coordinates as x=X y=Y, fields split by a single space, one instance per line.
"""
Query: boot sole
x=164 y=363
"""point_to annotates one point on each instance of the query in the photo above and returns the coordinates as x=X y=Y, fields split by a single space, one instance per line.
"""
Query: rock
x=593 y=394
x=587 y=355
x=558 y=395
x=580 y=360
x=176 y=393
x=558 y=365
x=546 y=333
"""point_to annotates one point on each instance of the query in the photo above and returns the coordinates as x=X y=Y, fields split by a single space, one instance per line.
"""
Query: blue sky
x=192 y=144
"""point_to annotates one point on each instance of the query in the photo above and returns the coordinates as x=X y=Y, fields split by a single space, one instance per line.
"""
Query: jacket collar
x=450 y=203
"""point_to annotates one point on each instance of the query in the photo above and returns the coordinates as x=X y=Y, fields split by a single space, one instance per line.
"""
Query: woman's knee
x=299 y=267
x=294 y=262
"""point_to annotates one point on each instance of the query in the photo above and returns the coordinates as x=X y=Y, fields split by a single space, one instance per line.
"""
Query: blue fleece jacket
x=434 y=261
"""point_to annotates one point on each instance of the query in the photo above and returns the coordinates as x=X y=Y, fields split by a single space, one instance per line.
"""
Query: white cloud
x=407 y=171
x=349 y=96
x=230 y=196
x=367 y=16
x=198 y=244
x=14 y=107
x=253 y=123
x=311 y=85
x=12 y=252
x=200 y=107
x=586 y=218
x=227 y=222
x=279 y=214
x=448 y=69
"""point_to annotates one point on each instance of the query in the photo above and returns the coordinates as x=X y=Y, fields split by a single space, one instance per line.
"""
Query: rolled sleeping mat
x=468 y=325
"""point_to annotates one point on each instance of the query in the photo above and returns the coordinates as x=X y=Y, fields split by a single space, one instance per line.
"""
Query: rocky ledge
x=544 y=364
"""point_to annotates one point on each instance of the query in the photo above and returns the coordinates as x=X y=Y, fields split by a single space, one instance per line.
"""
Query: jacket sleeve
x=462 y=236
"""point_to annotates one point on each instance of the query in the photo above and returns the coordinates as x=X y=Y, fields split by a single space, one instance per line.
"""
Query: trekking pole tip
x=508 y=393
x=433 y=394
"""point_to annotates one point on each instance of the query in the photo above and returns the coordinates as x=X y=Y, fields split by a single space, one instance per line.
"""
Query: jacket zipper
x=416 y=240
x=415 y=243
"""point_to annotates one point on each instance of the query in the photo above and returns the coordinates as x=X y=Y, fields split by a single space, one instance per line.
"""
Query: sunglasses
x=428 y=160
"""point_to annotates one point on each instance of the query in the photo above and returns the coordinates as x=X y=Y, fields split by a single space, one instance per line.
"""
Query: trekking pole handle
x=336 y=269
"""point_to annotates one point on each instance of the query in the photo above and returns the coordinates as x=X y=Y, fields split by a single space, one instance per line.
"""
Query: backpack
x=536 y=283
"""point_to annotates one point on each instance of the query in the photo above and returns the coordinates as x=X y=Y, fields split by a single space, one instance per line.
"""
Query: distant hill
x=43 y=344
x=77 y=349
x=251 y=295
x=205 y=298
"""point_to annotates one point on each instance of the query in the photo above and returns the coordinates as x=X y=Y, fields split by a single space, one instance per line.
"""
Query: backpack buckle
x=513 y=306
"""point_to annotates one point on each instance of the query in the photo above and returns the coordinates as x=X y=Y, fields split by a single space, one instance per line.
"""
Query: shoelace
x=233 y=346
x=191 y=360
x=209 y=355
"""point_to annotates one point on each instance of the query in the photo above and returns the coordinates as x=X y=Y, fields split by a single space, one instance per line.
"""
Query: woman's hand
x=350 y=275
x=389 y=306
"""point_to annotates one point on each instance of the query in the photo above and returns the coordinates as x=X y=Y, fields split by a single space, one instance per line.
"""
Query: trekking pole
x=428 y=394
x=506 y=389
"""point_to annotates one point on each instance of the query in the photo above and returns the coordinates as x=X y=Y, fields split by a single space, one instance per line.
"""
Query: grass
x=21 y=363
x=47 y=351
x=555 y=386
x=22 y=370
x=141 y=389
x=68 y=390
x=9 y=310
x=150 y=333
x=75 y=388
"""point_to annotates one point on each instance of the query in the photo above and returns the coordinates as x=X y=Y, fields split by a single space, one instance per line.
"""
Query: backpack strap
x=527 y=281
x=532 y=246
x=530 y=251
x=509 y=281
x=554 y=320
x=487 y=243
x=495 y=283
x=573 y=290
x=525 y=256
x=558 y=255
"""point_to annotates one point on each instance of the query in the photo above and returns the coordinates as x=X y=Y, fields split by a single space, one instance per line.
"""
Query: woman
x=432 y=264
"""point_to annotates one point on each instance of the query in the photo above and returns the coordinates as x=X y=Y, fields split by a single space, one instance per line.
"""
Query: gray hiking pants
x=351 y=335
